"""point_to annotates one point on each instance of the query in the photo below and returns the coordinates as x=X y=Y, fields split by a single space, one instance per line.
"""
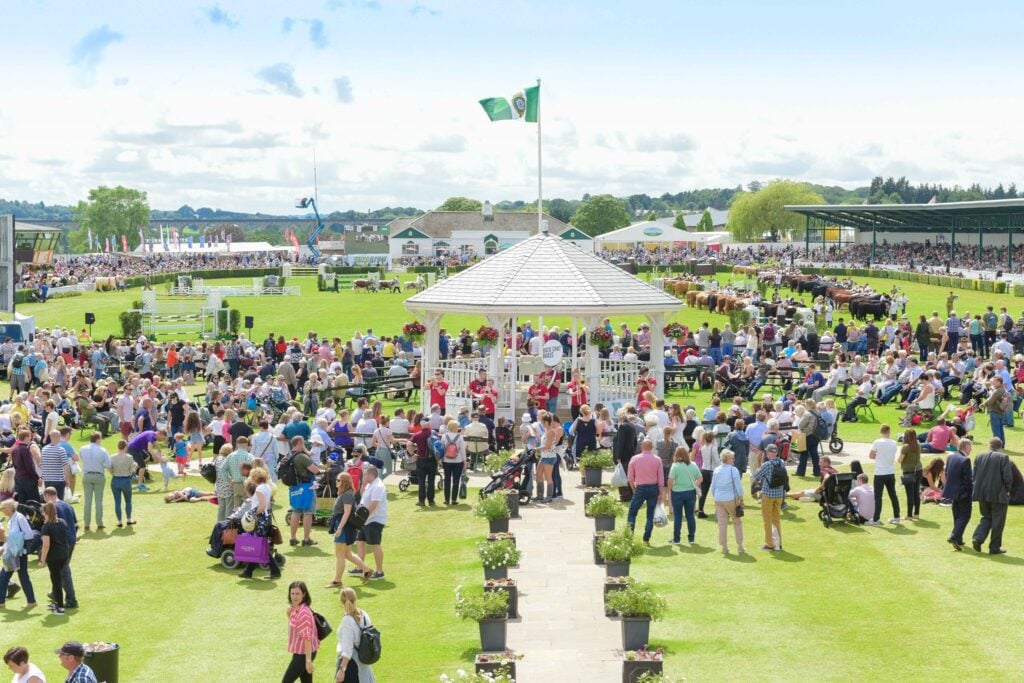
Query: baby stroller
x=413 y=478
x=516 y=475
x=835 y=444
x=836 y=505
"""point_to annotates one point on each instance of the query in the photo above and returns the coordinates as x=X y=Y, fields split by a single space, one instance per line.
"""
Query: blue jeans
x=26 y=582
x=122 y=486
x=997 y=420
x=552 y=405
x=685 y=500
x=716 y=354
x=728 y=349
x=644 y=493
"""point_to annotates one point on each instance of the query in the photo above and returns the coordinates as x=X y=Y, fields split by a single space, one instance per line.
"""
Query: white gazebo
x=542 y=276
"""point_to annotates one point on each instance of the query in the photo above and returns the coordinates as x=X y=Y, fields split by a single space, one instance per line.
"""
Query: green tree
x=705 y=224
x=562 y=209
x=754 y=216
x=651 y=216
x=111 y=212
x=600 y=214
x=460 y=204
x=680 y=221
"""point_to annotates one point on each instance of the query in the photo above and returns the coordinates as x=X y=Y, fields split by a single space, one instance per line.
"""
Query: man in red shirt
x=488 y=397
x=578 y=393
x=644 y=383
x=438 y=389
x=550 y=379
x=476 y=386
x=538 y=391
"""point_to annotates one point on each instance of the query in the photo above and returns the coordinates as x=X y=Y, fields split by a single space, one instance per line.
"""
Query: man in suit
x=993 y=477
x=959 y=488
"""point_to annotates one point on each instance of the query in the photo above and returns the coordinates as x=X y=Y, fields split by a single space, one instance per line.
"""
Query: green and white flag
x=522 y=106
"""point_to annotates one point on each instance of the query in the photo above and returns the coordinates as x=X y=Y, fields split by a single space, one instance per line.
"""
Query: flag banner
x=90 y=239
x=523 y=106
x=202 y=242
x=190 y=241
x=124 y=242
x=108 y=245
x=177 y=240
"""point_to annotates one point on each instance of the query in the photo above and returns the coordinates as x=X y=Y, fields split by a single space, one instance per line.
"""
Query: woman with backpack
x=351 y=642
x=453 y=449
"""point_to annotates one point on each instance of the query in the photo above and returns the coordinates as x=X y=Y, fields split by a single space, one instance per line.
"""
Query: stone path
x=562 y=629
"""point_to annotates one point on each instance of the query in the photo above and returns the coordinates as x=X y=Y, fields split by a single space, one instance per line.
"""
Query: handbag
x=358 y=517
x=909 y=478
x=462 y=487
x=323 y=627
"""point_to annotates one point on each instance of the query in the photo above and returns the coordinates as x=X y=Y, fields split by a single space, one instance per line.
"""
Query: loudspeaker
x=248 y=322
x=90 y=318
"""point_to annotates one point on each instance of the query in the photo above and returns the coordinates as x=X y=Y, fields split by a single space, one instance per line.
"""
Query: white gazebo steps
x=562 y=628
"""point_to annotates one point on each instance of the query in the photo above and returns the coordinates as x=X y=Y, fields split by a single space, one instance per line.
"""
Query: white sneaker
x=872 y=523
x=894 y=520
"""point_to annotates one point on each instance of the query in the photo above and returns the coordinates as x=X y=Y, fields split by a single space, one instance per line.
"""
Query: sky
x=223 y=104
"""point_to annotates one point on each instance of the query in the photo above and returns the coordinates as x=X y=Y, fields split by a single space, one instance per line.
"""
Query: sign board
x=551 y=352
x=653 y=231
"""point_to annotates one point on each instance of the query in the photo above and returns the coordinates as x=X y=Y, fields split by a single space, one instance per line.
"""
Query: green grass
x=837 y=602
x=152 y=589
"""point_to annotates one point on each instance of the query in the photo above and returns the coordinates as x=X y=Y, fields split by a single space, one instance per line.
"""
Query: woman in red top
x=302 y=640
x=488 y=399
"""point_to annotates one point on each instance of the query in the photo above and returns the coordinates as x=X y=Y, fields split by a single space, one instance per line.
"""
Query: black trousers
x=296 y=670
x=27 y=490
x=810 y=452
x=993 y=519
x=888 y=481
x=705 y=488
x=452 y=479
x=913 y=491
x=851 y=408
x=56 y=565
x=426 y=473
x=961 y=516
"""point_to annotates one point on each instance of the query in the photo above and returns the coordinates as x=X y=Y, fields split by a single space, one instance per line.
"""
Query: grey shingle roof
x=544 y=274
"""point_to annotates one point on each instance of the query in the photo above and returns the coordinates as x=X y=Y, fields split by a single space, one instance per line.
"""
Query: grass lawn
x=840 y=603
x=152 y=589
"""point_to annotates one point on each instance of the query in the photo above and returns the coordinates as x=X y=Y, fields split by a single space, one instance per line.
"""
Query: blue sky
x=222 y=103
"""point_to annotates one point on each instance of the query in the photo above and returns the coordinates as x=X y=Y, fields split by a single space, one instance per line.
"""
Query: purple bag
x=252 y=548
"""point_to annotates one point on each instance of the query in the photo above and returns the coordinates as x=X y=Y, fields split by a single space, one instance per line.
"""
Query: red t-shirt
x=578 y=392
x=643 y=386
x=538 y=392
x=549 y=376
x=477 y=387
x=489 y=400
x=438 y=389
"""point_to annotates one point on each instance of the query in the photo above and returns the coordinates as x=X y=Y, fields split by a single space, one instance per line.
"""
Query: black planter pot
x=632 y=670
x=592 y=476
x=496 y=668
x=499 y=525
x=512 y=538
x=513 y=598
x=587 y=495
x=616 y=569
x=597 y=555
x=636 y=631
x=496 y=573
x=493 y=634
x=513 y=505
x=604 y=523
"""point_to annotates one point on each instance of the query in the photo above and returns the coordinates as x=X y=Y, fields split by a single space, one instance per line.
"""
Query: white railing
x=241 y=290
x=80 y=287
x=618 y=378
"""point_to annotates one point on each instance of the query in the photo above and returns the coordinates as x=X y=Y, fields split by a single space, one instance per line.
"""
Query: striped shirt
x=301 y=627
x=54 y=457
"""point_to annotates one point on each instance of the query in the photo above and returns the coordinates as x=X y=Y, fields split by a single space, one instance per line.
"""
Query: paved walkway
x=562 y=629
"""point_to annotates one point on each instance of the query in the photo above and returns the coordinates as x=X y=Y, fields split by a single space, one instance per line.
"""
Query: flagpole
x=540 y=173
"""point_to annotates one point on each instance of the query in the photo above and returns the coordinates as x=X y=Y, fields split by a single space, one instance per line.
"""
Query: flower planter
x=633 y=669
x=591 y=493
x=608 y=589
x=513 y=598
x=493 y=634
x=636 y=631
x=592 y=476
x=498 y=525
x=597 y=556
x=513 y=505
x=496 y=668
x=616 y=568
x=604 y=523
x=503 y=537
x=496 y=573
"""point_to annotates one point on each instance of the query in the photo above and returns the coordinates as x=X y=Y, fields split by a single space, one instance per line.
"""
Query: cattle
x=863 y=306
x=368 y=285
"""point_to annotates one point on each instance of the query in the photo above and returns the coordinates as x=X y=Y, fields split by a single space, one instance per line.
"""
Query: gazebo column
x=593 y=363
x=657 y=323
x=431 y=354
x=494 y=359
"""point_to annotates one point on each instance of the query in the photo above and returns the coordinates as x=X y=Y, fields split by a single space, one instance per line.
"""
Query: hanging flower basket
x=487 y=335
x=674 y=331
x=414 y=330
x=601 y=338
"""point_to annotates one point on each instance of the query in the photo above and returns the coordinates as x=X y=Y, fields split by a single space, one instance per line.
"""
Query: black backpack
x=286 y=471
x=369 y=647
x=820 y=427
x=779 y=476
x=17 y=360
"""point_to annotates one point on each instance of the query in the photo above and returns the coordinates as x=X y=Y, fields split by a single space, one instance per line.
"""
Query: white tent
x=648 y=233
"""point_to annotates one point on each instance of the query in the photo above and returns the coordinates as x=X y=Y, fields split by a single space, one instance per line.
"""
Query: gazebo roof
x=544 y=274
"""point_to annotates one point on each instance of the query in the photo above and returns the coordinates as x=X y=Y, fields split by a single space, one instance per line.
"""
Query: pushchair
x=835 y=502
x=516 y=475
x=413 y=478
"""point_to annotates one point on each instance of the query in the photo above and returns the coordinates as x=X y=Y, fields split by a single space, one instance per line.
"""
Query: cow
x=419 y=284
x=691 y=297
x=368 y=285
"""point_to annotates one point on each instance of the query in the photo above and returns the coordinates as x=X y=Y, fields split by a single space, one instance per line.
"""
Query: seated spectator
x=936 y=439
x=813 y=495
x=863 y=496
x=934 y=479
